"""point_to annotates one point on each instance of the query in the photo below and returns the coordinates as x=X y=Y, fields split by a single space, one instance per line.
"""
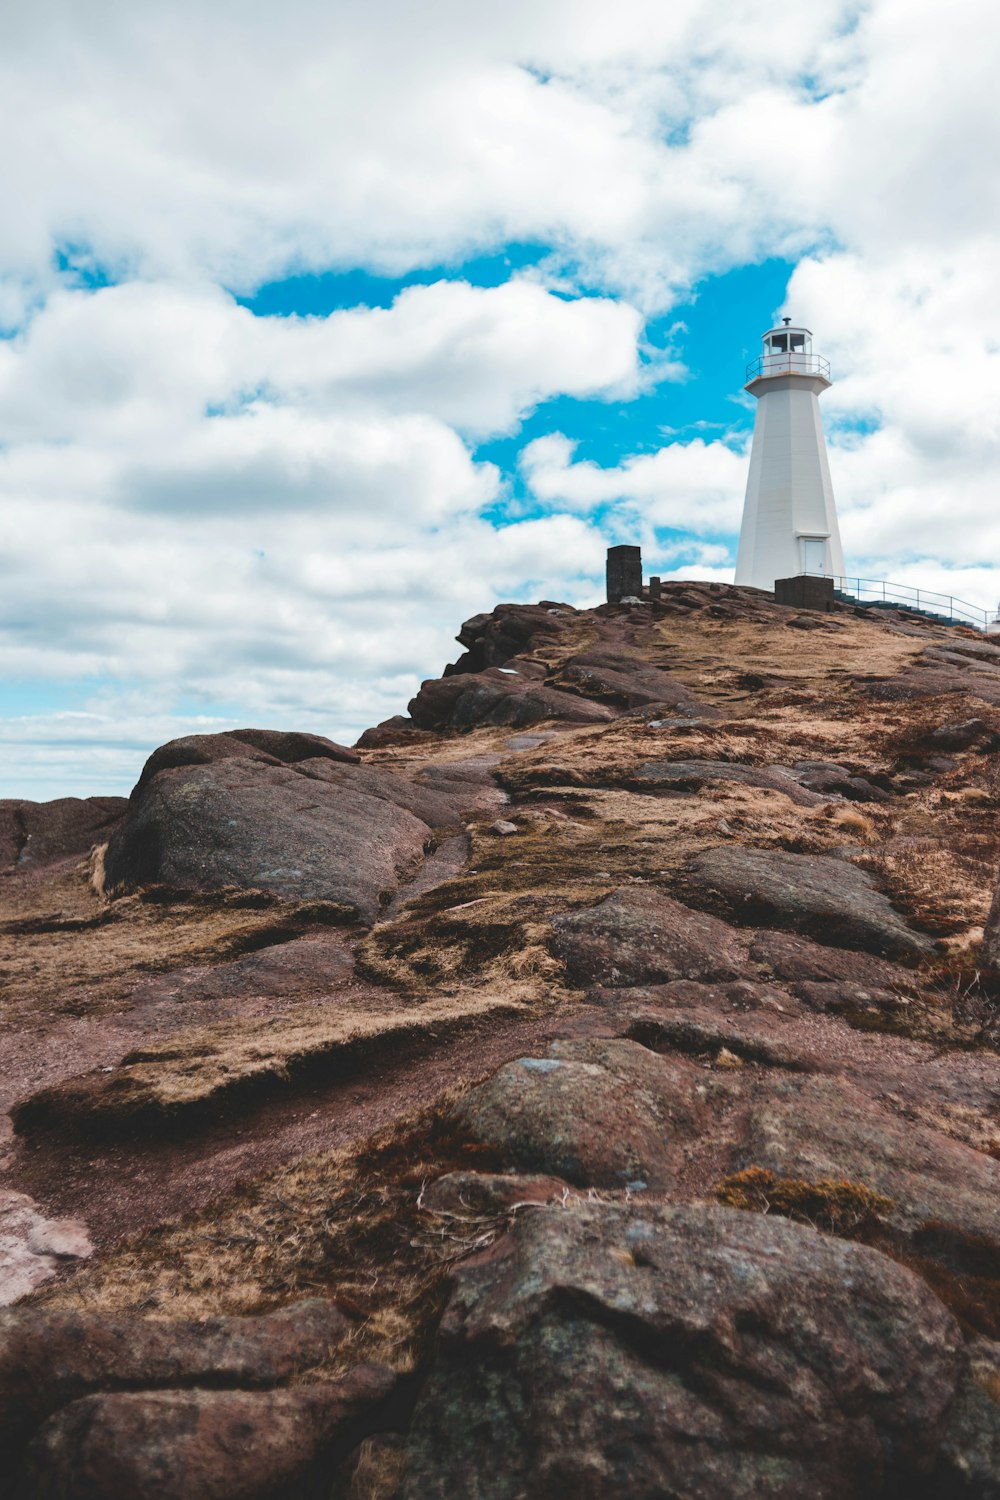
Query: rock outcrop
x=219 y=811
x=828 y=898
x=33 y=834
x=588 y=1084
x=682 y=1351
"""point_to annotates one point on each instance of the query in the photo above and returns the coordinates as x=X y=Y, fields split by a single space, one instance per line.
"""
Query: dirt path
x=123 y=1187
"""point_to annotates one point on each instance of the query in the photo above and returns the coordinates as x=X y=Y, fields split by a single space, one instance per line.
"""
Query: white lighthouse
x=789 y=517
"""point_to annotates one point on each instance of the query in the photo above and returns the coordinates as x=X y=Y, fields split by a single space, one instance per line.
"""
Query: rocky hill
x=586 y=1086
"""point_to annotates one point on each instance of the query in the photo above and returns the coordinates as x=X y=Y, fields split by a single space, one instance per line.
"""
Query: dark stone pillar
x=654 y=588
x=624 y=573
x=804 y=592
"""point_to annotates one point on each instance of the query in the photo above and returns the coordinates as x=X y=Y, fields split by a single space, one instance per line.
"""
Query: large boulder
x=640 y=935
x=273 y=747
x=49 y=1358
x=829 y=898
x=35 y=833
x=204 y=1444
x=303 y=831
x=598 y=1114
x=686 y=1351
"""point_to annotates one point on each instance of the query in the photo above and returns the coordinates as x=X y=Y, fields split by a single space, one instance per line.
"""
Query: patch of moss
x=837 y=1205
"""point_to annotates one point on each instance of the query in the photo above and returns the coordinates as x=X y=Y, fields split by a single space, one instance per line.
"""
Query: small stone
x=62 y=1237
x=504 y=828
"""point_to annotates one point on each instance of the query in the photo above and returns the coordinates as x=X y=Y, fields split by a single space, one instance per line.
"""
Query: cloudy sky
x=324 y=325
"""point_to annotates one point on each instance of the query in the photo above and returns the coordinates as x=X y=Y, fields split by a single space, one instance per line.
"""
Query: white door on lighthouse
x=813 y=554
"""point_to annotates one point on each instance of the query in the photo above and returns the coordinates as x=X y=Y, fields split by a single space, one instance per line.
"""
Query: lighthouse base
x=804 y=592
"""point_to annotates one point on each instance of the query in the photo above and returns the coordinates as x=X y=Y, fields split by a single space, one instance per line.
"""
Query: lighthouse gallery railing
x=788 y=364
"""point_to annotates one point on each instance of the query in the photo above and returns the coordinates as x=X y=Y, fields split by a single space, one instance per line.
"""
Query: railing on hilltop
x=900 y=596
x=788 y=364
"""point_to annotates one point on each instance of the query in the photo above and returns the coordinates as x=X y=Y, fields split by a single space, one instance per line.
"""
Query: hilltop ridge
x=518 y=1091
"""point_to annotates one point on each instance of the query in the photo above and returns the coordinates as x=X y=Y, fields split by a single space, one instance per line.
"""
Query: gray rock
x=640 y=935
x=968 y=1465
x=254 y=825
x=829 y=898
x=692 y=775
x=681 y=1351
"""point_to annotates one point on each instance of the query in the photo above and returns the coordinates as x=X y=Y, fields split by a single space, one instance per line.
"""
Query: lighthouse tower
x=789 y=517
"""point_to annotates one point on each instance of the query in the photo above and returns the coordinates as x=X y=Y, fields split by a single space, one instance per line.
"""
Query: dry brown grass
x=66 y=951
x=175 y=1080
x=848 y=1209
x=347 y=1225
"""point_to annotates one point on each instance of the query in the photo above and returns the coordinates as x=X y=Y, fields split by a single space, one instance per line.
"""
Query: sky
x=324 y=326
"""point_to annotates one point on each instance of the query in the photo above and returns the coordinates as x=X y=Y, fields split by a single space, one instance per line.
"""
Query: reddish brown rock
x=640 y=935
x=272 y=747
x=830 y=898
x=49 y=1358
x=492 y=639
x=35 y=833
x=314 y=965
x=683 y=1351
x=692 y=775
x=787 y=955
x=252 y=825
x=399 y=730
x=620 y=680
x=596 y=1113
x=823 y=1128
x=498 y=697
x=203 y=1444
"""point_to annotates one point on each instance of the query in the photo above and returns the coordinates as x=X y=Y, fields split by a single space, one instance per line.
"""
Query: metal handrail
x=925 y=601
x=788 y=364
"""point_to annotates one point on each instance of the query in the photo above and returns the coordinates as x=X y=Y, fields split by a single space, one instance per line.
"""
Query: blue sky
x=308 y=353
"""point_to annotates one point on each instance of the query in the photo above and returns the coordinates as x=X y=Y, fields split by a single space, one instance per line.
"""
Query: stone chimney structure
x=624 y=573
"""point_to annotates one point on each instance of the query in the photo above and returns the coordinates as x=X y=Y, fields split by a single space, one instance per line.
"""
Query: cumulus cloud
x=215 y=513
x=695 y=487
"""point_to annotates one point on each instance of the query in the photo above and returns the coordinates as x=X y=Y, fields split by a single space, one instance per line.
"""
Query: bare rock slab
x=202 y=1444
x=640 y=935
x=812 y=893
x=597 y=1114
x=822 y=1128
x=36 y=833
x=667 y=1351
x=33 y=1246
x=49 y=1358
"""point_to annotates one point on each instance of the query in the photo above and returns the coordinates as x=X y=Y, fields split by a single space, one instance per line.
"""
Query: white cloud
x=694 y=487
x=210 y=508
